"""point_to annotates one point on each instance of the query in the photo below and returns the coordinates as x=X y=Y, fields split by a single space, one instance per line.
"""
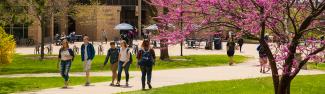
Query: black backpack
x=146 y=58
x=130 y=55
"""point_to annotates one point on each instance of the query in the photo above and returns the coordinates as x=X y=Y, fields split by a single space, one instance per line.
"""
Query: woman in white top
x=66 y=56
x=125 y=61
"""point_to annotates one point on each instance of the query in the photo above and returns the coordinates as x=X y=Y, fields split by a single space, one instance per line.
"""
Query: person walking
x=231 y=50
x=125 y=61
x=66 y=56
x=240 y=43
x=112 y=54
x=87 y=55
x=104 y=36
x=263 y=59
x=146 y=59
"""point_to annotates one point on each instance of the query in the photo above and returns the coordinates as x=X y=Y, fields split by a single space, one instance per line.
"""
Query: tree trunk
x=43 y=28
x=284 y=86
x=164 y=50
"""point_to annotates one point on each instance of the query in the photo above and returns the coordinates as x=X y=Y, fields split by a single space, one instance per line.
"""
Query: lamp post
x=182 y=27
x=139 y=18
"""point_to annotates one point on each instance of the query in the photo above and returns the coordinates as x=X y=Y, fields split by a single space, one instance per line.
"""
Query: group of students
x=261 y=50
x=120 y=59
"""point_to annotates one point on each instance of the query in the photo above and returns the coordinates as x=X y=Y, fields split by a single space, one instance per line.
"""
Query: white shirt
x=65 y=55
x=124 y=55
x=86 y=54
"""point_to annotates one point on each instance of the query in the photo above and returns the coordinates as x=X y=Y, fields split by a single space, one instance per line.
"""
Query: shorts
x=114 y=67
x=87 y=65
x=263 y=55
x=230 y=53
x=263 y=60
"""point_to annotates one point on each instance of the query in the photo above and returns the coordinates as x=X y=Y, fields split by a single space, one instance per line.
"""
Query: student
x=240 y=43
x=112 y=54
x=66 y=56
x=231 y=50
x=263 y=58
x=125 y=61
x=87 y=55
x=146 y=59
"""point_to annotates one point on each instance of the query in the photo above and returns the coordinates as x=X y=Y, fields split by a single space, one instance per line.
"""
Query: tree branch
x=303 y=62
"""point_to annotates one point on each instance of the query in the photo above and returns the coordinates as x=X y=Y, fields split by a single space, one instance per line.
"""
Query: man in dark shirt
x=231 y=50
x=112 y=53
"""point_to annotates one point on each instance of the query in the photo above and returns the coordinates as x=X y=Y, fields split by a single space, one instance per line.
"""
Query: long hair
x=124 y=42
x=65 y=44
x=145 y=44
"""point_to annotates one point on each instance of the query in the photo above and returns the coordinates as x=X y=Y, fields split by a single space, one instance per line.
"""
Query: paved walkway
x=172 y=77
x=161 y=78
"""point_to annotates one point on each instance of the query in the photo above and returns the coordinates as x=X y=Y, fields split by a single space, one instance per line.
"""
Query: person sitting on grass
x=146 y=59
x=112 y=54
x=125 y=61
x=66 y=56
x=231 y=50
x=87 y=55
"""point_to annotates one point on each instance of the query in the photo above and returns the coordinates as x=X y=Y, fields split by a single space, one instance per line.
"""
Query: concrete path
x=249 y=69
x=173 y=77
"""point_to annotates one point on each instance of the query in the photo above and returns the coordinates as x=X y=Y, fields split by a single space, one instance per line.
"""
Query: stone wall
x=91 y=20
x=34 y=30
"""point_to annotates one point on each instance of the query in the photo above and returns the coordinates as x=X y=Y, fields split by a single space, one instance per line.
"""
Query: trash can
x=217 y=43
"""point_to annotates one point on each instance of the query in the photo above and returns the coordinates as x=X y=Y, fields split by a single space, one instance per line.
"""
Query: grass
x=11 y=85
x=31 y=64
x=300 y=85
x=320 y=66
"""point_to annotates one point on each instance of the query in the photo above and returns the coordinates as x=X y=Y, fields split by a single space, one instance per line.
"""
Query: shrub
x=7 y=47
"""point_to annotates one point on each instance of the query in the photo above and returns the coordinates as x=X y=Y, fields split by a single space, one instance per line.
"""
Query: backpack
x=130 y=60
x=146 y=58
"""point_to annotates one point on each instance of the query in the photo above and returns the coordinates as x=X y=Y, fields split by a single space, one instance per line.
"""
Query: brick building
x=90 y=20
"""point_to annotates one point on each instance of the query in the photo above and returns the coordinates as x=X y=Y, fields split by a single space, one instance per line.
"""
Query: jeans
x=126 y=70
x=65 y=68
x=146 y=71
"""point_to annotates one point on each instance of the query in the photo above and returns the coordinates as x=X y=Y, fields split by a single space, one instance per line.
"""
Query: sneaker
x=149 y=85
x=87 y=84
x=118 y=84
x=127 y=84
x=64 y=87
x=111 y=84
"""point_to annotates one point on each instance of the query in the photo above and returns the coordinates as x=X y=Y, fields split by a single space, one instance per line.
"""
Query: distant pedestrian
x=87 y=55
x=112 y=54
x=263 y=58
x=104 y=36
x=125 y=60
x=146 y=59
x=66 y=56
x=240 y=43
x=231 y=50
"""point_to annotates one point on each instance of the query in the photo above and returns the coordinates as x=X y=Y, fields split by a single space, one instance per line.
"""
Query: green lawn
x=31 y=64
x=300 y=85
x=319 y=66
x=10 y=85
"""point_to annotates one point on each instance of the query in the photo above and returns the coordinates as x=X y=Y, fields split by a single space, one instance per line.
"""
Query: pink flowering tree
x=287 y=20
